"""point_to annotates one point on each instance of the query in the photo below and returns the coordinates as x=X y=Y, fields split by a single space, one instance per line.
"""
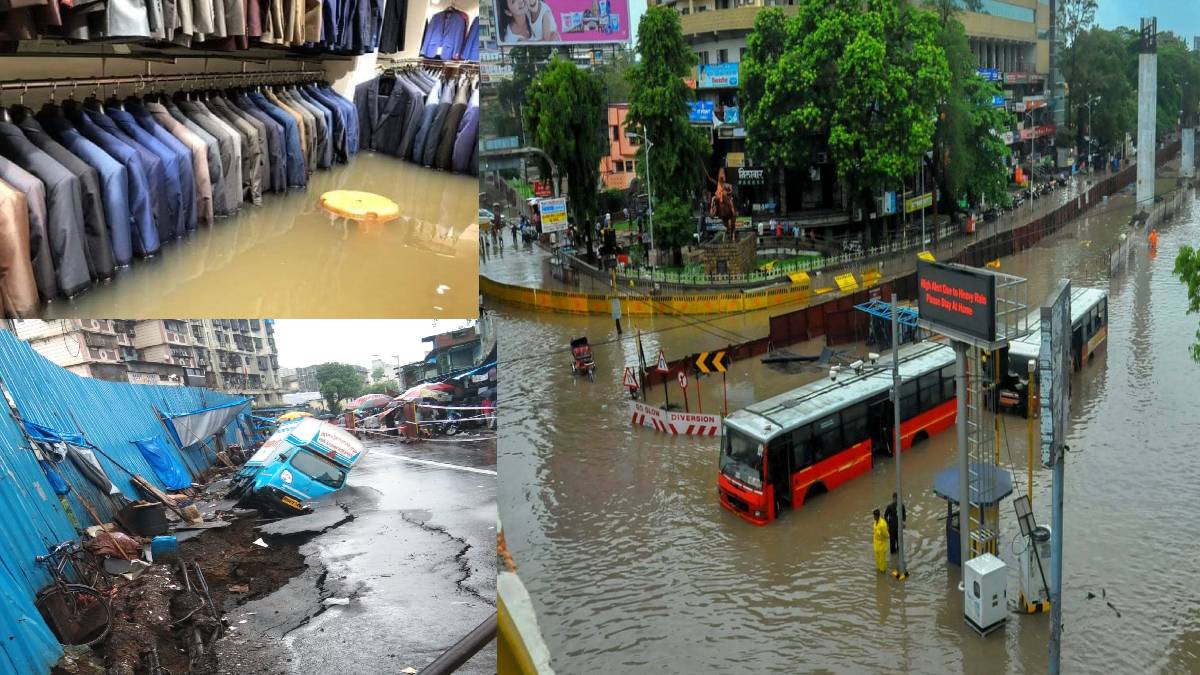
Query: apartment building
x=238 y=356
x=618 y=168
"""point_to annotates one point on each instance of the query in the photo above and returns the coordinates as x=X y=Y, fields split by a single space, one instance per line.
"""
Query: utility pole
x=901 y=568
x=1056 y=522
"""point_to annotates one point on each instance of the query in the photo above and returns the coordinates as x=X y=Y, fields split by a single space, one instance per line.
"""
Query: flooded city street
x=288 y=257
x=633 y=565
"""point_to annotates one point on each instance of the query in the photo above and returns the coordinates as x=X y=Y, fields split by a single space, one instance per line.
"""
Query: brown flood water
x=288 y=257
x=635 y=567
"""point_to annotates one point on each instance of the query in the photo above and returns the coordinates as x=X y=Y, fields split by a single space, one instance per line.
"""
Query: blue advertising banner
x=700 y=112
x=733 y=115
x=989 y=74
x=718 y=76
x=998 y=101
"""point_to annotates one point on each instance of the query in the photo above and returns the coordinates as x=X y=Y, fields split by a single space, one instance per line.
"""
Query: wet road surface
x=634 y=566
x=289 y=257
x=408 y=550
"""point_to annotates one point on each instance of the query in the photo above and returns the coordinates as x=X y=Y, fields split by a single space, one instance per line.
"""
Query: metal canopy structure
x=907 y=316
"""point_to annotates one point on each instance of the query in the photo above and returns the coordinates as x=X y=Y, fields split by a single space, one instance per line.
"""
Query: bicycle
x=78 y=614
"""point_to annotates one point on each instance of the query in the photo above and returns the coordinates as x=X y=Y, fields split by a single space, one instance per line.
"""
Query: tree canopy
x=565 y=115
x=658 y=108
x=338 y=381
x=1187 y=268
x=866 y=81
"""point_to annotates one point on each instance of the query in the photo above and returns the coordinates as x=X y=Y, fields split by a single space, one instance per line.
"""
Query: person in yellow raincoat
x=880 y=542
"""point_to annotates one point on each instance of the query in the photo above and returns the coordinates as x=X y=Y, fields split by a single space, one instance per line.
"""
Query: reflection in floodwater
x=289 y=257
x=634 y=566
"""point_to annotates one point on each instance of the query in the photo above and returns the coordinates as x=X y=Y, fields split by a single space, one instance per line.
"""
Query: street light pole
x=649 y=188
x=901 y=567
x=1029 y=126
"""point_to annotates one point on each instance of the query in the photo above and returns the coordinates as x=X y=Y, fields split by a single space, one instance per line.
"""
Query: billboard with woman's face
x=555 y=22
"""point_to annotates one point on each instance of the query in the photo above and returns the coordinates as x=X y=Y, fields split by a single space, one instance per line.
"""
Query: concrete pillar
x=1189 y=152
x=1147 y=108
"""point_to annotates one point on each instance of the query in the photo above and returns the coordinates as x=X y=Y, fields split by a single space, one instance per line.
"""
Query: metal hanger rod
x=139 y=79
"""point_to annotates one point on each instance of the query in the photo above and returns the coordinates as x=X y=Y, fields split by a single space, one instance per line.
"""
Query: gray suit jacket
x=64 y=206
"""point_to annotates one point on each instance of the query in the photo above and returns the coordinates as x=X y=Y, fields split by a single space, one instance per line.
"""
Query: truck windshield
x=741 y=458
x=319 y=468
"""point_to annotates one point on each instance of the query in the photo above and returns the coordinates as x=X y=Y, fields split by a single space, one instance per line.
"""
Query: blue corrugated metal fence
x=110 y=416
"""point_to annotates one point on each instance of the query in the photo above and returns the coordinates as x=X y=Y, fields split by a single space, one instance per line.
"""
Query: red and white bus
x=780 y=452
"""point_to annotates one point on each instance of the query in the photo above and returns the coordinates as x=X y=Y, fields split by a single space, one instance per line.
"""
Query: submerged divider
x=110 y=416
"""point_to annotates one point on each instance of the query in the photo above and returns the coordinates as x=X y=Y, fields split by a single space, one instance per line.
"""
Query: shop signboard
x=989 y=74
x=568 y=22
x=749 y=175
x=917 y=203
x=732 y=115
x=998 y=101
x=700 y=112
x=718 y=76
x=554 y=214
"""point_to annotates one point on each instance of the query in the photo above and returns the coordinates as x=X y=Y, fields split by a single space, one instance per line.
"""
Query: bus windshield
x=741 y=459
x=319 y=469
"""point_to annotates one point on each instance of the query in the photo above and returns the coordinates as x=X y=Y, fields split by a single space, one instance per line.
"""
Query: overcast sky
x=309 y=342
x=1181 y=17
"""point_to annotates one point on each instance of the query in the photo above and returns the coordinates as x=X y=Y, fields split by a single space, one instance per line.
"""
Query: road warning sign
x=662 y=362
x=630 y=379
x=712 y=362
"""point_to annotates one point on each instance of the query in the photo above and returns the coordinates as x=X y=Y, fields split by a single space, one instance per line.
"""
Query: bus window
x=804 y=451
x=828 y=437
x=854 y=424
x=930 y=390
x=741 y=459
x=1104 y=311
x=910 y=406
x=947 y=383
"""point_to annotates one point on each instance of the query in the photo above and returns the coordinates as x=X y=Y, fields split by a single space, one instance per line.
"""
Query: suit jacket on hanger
x=39 y=242
x=18 y=289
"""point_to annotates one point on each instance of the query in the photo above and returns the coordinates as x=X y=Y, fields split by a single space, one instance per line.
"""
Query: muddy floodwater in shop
x=289 y=257
x=634 y=566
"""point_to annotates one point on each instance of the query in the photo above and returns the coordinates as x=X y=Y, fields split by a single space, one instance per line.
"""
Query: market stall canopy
x=295 y=414
x=369 y=399
x=435 y=390
x=1000 y=485
x=196 y=426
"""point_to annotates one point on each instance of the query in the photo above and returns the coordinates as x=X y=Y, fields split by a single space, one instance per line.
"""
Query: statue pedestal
x=730 y=257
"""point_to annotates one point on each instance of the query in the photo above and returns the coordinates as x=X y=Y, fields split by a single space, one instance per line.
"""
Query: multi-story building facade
x=618 y=168
x=1008 y=37
x=238 y=356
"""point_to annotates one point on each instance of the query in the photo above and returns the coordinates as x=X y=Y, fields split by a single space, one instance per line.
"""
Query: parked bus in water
x=303 y=460
x=1089 y=331
x=780 y=452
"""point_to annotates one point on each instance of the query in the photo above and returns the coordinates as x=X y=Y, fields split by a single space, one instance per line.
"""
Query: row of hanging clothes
x=425 y=114
x=340 y=26
x=90 y=186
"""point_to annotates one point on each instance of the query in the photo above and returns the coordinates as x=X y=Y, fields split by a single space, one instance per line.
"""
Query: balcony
x=98 y=341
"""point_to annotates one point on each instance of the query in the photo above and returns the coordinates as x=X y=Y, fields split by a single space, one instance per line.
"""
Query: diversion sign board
x=562 y=22
x=958 y=302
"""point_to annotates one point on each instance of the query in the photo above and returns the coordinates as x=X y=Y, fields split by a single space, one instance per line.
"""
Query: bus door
x=779 y=468
x=881 y=420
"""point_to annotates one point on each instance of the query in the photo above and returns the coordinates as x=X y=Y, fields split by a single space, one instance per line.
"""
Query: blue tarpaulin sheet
x=165 y=466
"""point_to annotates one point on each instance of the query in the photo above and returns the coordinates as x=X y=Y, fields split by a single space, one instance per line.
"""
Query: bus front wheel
x=814 y=490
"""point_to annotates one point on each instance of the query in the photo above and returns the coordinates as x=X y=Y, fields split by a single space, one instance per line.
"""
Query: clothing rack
x=75 y=82
x=436 y=64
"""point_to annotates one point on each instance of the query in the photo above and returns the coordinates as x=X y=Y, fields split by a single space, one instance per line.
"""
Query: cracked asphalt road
x=408 y=546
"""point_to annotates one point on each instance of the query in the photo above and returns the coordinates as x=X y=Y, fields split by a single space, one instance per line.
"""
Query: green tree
x=503 y=113
x=384 y=387
x=1187 y=268
x=763 y=99
x=377 y=373
x=1175 y=65
x=890 y=79
x=658 y=107
x=1103 y=63
x=337 y=382
x=969 y=154
x=565 y=117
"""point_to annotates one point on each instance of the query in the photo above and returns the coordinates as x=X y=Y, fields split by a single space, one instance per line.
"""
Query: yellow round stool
x=360 y=206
